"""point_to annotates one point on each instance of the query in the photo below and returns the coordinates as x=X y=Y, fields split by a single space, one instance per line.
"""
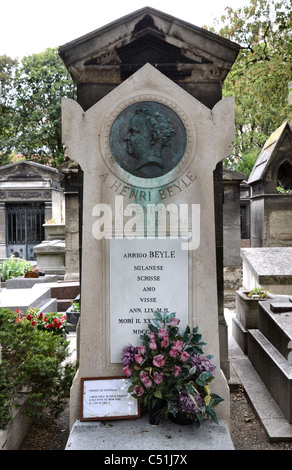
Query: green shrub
x=14 y=267
x=32 y=361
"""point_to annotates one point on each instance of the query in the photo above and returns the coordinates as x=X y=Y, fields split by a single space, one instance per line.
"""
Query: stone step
x=276 y=327
x=273 y=369
x=140 y=435
x=49 y=306
x=65 y=290
x=24 y=299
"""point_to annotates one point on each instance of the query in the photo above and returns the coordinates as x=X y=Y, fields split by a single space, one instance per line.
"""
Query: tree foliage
x=38 y=84
x=30 y=104
x=7 y=127
x=260 y=76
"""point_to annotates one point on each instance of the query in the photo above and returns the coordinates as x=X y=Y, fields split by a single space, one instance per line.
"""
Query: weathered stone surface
x=26 y=283
x=141 y=435
x=268 y=267
x=86 y=137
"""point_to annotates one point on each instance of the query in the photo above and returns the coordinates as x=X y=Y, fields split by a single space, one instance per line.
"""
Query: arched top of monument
x=180 y=50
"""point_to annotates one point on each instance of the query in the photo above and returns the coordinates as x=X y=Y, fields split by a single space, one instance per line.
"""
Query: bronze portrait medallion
x=148 y=139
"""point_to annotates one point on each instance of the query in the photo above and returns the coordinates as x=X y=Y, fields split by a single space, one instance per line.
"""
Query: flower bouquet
x=170 y=366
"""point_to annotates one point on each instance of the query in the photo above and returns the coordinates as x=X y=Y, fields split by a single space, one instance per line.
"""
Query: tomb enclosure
x=121 y=232
x=151 y=209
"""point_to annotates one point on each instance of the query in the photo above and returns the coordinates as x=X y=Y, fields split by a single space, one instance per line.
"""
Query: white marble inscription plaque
x=145 y=275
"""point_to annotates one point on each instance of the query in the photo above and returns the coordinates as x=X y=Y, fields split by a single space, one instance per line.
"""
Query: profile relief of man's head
x=149 y=131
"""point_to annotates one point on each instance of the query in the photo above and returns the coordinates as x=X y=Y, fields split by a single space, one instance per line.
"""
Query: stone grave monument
x=148 y=217
x=192 y=57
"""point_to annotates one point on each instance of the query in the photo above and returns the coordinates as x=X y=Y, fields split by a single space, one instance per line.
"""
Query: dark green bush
x=32 y=362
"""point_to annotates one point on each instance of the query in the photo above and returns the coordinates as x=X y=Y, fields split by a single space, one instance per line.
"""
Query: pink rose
x=138 y=390
x=152 y=345
x=164 y=342
x=173 y=352
x=147 y=382
x=162 y=332
x=174 y=322
x=138 y=358
x=159 y=360
x=151 y=336
x=141 y=349
x=127 y=371
x=176 y=371
x=145 y=379
x=184 y=356
x=158 y=377
x=178 y=345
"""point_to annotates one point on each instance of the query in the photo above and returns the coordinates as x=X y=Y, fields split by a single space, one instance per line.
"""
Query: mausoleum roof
x=268 y=152
x=174 y=46
x=28 y=169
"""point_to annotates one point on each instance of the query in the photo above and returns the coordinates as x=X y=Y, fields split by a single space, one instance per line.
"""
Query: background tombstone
x=30 y=194
x=270 y=209
x=111 y=190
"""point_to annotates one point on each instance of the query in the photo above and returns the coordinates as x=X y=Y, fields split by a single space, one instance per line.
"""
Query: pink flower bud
x=159 y=360
x=138 y=390
x=176 y=371
x=141 y=349
x=138 y=358
x=184 y=356
x=162 y=332
x=178 y=345
x=164 y=342
x=127 y=371
x=173 y=352
x=158 y=377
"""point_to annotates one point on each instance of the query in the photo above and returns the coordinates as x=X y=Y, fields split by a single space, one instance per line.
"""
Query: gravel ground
x=247 y=432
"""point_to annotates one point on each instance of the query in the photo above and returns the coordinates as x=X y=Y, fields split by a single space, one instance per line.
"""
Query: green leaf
x=186 y=333
x=203 y=378
x=152 y=327
x=192 y=370
x=205 y=375
x=170 y=316
x=216 y=399
x=199 y=417
x=212 y=414
x=157 y=315
x=154 y=322
x=190 y=389
x=158 y=394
